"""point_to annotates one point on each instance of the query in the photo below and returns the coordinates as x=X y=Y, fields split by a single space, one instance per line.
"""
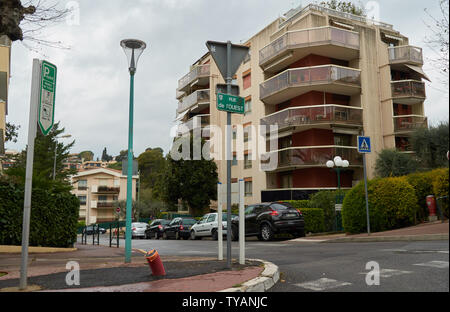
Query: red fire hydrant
x=431 y=203
x=155 y=263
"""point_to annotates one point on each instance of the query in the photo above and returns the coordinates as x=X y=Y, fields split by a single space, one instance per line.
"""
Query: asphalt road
x=337 y=267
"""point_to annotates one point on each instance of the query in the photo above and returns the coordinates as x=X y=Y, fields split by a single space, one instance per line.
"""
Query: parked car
x=266 y=219
x=137 y=230
x=156 y=228
x=89 y=230
x=179 y=228
x=208 y=226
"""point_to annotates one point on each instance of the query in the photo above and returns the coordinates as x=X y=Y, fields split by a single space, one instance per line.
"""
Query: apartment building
x=5 y=65
x=324 y=77
x=97 y=190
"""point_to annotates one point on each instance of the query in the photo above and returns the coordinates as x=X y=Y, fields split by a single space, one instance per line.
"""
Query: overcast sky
x=93 y=80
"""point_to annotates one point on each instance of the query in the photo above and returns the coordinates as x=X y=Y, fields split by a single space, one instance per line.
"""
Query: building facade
x=98 y=190
x=323 y=77
x=5 y=65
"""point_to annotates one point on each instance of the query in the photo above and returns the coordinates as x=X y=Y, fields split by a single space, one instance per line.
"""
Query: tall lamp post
x=338 y=164
x=56 y=147
x=133 y=49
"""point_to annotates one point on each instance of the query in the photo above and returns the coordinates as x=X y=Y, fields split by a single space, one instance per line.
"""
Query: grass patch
x=3 y=274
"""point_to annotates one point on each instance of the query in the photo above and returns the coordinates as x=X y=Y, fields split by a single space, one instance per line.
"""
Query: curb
x=268 y=278
x=424 y=237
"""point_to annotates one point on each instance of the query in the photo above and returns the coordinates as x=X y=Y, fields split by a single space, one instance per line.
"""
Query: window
x=248 y=186
x=249 y=209
x=234 y=162
x=248 y=161
x=342 y=140
x=247 y=81
x=203 y=220
x=82 y=200
x=212 y=218
x=286 y=180
x=102 y=198
x=248 y=56
x=234 y=131
x=247 y=134
x=82 y=184
x=248 y=107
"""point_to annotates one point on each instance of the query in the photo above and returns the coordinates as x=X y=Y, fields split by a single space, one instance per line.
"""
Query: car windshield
x=280 y=206
x=155 y=222
x=189 y=221
x=165 y=222
x=139 y=225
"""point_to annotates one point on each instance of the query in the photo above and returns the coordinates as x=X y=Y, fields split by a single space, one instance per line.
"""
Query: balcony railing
x=408 y=88
x=307 y=76
x=313 y=156
x=199 y=121
x=105 y=204
x=199 y=96
x=405 y=54
x=199 y=71
x=309 y=37
x=313 y=115
x=106 y=189
x=408 y=123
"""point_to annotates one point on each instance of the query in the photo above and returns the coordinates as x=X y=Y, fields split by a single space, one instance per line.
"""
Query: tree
x=105 y=156
x=344 y=6
x=86 y=155
x=12 y=132
x=151 y=167
x=431 y=145
x=192 y=181
x=392 y=163
x=123 y=154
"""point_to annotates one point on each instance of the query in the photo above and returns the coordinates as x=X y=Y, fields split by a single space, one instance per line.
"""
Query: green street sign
x=230 y=103
x=47 y=97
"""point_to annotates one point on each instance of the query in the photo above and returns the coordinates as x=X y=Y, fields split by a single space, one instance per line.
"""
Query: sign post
x=364 y=147
x=228 y=58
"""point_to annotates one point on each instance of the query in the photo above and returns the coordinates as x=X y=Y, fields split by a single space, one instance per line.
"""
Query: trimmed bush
x=298 y=204
x=313 y=220
x=440 y=189
x=54 y=216
x=392 y=204
x=326 y=201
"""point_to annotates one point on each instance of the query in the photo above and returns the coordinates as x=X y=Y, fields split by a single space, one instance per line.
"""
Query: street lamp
x=133 y=49
x=56 y=146
x=338 y=164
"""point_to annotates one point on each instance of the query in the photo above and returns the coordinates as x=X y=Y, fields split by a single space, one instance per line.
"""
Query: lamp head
x=338 y=161
x=330 y=164
x=133 y=49
x=345 y=163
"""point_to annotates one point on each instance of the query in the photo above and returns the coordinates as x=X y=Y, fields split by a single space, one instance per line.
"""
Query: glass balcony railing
x=405 y=54
x=307 y=76
x=313 y=156
x=408 y=88
x=199 y=71
x=407 y=123
x=199 y=96
x=313 y=115
x=309 y=37
x=199 y=121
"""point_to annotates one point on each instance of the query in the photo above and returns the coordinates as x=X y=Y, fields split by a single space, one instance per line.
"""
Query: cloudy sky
x=93 y=80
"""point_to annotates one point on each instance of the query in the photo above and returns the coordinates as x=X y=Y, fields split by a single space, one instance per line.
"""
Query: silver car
x=208 y=225
x=138 y=229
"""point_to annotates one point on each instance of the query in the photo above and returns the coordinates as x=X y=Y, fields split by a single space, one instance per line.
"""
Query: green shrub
x=326 y=201
x=440 y=189
x=298 y=204
x=422 y=184
x=313 y=220
x=53 y=221
x=392 y=204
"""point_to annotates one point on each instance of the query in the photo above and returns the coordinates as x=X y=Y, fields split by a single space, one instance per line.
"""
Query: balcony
x=199 y=75
x=326 y=41
x=105 y=204
x=408 y=91
x=199 y=121
x=406 y=124
x=105 y=189
x=304 y=157
x=197 y=98
x=405 y=55
x=312 y=116
x=294 y=82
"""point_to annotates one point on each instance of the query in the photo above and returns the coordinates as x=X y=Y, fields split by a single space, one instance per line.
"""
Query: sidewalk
x=103 y=269
x=422 y=232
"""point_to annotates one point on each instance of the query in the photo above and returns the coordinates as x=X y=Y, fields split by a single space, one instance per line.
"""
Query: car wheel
x=215 y=235
x=234 y=233
x=194 y=236
x=299 y=234
x=266 y=232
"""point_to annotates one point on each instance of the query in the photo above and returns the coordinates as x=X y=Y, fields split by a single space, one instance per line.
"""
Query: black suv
x=266 y=219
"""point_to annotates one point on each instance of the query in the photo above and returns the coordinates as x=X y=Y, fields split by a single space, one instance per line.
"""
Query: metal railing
x=306 y=76
x=405 y=54
x=318 y=114
x=313 y=156
x=107 y=189
x=199 y=96
x=309 y=37
x=409 y=123
x=198 y=71
x=408 y=88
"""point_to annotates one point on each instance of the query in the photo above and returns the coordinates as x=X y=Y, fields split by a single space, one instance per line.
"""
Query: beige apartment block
x=5 y=66
x=323 y=77
x=97 y=190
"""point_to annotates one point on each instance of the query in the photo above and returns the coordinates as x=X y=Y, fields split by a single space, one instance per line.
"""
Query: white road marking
x=386 y=273
x=322 y=284
x=269 y=245
x=434 y=264
x=305 y=240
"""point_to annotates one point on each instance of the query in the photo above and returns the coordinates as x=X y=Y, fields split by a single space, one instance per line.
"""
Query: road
x=337 y=267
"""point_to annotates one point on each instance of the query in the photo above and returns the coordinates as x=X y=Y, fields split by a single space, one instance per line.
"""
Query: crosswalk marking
x=434 y=264
x=386 y=273
x=322 y=284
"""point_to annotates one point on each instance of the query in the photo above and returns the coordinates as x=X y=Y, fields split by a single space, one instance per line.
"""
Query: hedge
x=440 y=189
x=53 y=221
x=392 y=204
x=298 y=204
x=313 y=220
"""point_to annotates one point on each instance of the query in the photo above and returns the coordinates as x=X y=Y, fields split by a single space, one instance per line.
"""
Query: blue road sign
x=364 y=145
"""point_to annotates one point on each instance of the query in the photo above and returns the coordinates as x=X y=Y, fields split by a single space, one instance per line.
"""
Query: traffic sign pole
x=228 y=82
x=32 y=127
x=364 y=147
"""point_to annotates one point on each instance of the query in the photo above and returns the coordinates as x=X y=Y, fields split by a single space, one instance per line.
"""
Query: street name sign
x=230 y=103
x=364 y=145
x=47 y=91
